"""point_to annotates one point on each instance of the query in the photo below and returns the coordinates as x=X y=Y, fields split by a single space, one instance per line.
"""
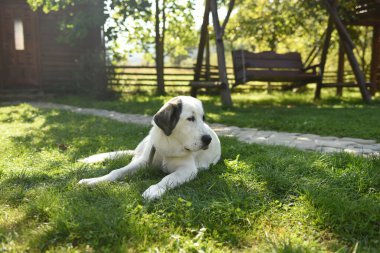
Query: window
x=19 y=34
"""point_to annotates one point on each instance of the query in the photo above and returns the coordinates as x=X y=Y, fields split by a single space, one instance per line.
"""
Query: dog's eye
x=203 y=118
x=191 y=118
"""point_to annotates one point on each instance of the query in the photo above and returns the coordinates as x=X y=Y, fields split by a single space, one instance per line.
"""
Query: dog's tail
x=104 y=156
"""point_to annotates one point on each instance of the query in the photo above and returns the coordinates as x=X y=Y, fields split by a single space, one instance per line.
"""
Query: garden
x=315 y=73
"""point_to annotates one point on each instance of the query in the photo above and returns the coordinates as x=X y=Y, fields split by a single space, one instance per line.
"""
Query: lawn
x=288 y=112
x=257 y=198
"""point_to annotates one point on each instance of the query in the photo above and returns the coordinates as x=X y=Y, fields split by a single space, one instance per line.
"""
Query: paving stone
x=361 y=141
x=281 y=142
x=331 y=150
x=375 y=147
x=248 y=132
x=307 y=145
x=303 y=138
x=265 y=134
x=310 y=136
x=248 y=129
x=223 y=130
x=326 y=143
x=354 y=145
x=280 y=139
x=290 y=135
x=250 y=141
x=234 y=130
x=327 y=138
x=344 y=144
x=367 y=151
x=260 y=140
x=355 y=151
x=333 y=143
x=245 y=136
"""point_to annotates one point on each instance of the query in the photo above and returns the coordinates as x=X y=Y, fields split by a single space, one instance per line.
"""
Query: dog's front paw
x=89 y=181
x=153 y=192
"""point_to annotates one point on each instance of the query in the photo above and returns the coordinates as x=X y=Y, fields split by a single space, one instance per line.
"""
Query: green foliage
x=262 y=25
x=256 y=199
x=138 y=31
x=181 y=35
x=123 y=19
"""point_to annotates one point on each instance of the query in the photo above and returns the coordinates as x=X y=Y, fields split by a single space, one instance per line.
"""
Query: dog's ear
x=167 y=117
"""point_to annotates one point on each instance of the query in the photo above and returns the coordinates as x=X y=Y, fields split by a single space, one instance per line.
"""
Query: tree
x=266 y=25
x=170 y=31
x=167 y=15
x=160 y=23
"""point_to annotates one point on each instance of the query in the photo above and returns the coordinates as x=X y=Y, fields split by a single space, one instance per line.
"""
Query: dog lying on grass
x=179 y=142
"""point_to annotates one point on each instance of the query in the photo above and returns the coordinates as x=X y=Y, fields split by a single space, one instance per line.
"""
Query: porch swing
x=269 y=66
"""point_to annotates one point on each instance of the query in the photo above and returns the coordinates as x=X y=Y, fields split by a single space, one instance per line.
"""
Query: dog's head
x=182 y=119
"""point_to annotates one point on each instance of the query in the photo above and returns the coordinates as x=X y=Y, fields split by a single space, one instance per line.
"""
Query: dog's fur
x=180 y=143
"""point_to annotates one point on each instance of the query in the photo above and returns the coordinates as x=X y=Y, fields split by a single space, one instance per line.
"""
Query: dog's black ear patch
x=167 y=117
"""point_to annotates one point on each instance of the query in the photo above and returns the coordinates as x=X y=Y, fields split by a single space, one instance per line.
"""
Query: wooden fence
x=174 y=76
x=146 y=75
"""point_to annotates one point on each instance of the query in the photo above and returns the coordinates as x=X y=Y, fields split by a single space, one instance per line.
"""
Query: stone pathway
x=327 y=144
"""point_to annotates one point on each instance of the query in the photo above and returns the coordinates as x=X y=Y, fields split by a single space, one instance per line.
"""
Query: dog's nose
x=206 y=139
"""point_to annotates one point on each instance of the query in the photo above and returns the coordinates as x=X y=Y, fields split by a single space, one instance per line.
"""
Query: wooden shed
x=32 y=57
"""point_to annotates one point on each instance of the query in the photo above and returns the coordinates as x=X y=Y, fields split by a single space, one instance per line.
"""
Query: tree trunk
x=225 y=92
x=322 y=64
x=375 y=61
x=201 y=47
x=208 y=62
x=340 y=77
x=159 y=42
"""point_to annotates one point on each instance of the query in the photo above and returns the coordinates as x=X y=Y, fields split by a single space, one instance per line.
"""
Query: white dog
x=180 y=143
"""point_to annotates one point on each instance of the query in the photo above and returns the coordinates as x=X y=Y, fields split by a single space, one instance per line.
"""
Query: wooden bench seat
x=272 y=67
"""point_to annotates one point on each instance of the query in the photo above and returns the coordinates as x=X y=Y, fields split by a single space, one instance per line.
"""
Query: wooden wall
x=62 y=66
x=65 y=66
x=58 y=62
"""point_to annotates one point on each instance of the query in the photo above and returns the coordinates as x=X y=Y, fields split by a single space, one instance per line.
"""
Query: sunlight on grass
x=286 y=226
x=10 y=218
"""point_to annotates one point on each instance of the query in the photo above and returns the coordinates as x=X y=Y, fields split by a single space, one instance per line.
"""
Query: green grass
x=288 y=112
x=257 y=198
